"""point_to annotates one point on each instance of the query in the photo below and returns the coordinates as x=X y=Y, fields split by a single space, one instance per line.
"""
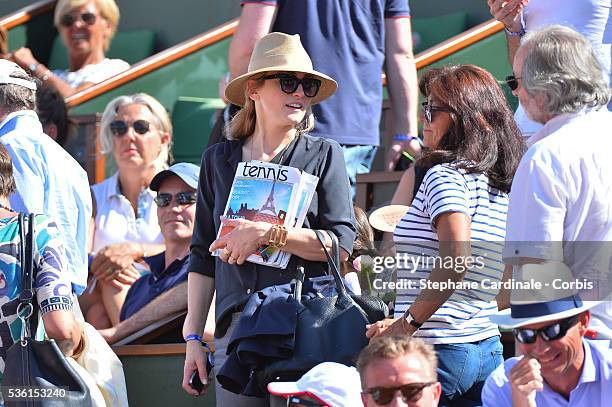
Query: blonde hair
x=159 y=112
x=108 y=10
x=243 y=123
x=387 y=347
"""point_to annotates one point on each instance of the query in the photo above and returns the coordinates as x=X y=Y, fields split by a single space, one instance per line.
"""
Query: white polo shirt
x=591 y=18
x=562 y=194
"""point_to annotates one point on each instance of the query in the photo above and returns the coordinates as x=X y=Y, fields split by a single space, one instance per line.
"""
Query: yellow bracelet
x=278 y=236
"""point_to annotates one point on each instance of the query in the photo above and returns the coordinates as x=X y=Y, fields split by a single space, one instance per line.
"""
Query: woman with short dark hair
x=52 y=283
x=455 y=228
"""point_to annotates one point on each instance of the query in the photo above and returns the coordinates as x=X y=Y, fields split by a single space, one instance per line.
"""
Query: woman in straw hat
x=276 y=94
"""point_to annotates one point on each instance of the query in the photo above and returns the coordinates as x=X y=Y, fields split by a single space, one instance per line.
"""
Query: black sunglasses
x=119 y=127
x=512 y=82
x=87 y=17
x=182 y=198
x=428 y=108
x=548 y=333
x=289 y=83
x=410 y=392
x=298 y=401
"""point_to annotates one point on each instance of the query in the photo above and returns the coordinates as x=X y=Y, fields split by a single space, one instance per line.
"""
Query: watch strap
x=410 y=319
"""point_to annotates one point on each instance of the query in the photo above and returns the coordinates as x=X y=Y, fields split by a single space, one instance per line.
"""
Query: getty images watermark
x=408 y=264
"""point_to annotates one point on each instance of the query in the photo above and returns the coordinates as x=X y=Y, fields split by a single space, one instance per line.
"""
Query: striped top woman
x=451 y=238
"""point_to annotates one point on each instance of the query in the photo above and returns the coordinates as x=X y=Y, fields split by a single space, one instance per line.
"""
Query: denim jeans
x=358 y=161
x=463 y=369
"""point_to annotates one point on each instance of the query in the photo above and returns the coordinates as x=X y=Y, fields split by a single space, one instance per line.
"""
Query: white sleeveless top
x=115 y=218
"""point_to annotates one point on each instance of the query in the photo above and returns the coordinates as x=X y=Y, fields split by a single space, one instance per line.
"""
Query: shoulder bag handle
x=26 y=258
x=334 y=263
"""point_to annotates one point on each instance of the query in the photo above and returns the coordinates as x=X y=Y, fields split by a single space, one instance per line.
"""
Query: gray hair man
x=562 y=188
x=48 y=179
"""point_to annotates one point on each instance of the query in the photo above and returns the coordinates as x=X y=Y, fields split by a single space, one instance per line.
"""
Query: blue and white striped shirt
x=465 y=315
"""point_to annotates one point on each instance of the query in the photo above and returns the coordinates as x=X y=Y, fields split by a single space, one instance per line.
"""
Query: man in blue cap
x=559 y=366
x=163 y=292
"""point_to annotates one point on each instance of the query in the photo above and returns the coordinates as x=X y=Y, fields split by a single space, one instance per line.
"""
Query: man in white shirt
x=590 y=18
x=48 y=179
x=560 y=203
x=559 y=366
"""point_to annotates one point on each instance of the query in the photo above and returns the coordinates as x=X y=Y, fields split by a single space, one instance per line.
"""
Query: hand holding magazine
x=273 y=193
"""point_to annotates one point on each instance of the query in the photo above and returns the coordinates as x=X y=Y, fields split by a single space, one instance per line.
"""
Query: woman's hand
x=118 y=256
x=389 y=327
x=195 y=359
x=24 y=58
x=244 y=239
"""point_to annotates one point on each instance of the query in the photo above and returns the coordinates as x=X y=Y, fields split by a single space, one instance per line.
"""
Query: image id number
x=32 y=393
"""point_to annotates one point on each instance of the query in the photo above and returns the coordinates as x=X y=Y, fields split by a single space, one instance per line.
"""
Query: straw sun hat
x=278 y=52
x=387 y=217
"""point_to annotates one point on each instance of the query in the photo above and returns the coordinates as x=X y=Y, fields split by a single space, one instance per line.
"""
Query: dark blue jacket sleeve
x=200 y=260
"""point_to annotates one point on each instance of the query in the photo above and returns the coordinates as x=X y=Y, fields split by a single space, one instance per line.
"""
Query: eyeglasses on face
x=67 y=20
x=410 y=392
x=289 y=83
x=120 y=127
x=182 y=198
x=428 y=109
x=548 y=333
x=512 y=82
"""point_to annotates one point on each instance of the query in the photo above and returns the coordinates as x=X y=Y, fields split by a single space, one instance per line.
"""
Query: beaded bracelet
x=404 y=137
x=519 y=33
x=193 y=337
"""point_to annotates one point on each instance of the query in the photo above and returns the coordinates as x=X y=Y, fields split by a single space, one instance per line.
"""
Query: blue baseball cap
x=188 y=172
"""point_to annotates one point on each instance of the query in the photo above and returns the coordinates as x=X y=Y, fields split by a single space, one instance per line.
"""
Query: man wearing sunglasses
x=399 y=371
x=560 y=202
x=559 y=366
x=163 y=292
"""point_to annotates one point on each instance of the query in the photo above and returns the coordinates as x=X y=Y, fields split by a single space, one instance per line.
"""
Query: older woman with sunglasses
x=455 y=228
x=276 y=93
x=86 y=28
x=136 y=129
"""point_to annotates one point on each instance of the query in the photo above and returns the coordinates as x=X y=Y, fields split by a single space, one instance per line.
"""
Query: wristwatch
x=410 y=319
x=33 y=67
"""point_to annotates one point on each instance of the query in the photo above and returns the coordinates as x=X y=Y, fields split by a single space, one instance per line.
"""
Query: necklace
x=6 y=208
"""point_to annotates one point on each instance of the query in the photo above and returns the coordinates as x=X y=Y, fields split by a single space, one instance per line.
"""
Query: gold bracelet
x=278 y=236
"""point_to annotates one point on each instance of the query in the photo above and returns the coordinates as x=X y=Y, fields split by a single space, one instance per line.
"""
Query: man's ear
x=437 y=391
x=364 y=399
x=584 y=320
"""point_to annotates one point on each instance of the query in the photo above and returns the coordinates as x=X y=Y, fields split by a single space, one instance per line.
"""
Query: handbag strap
x=26 y=257
x=333 y=262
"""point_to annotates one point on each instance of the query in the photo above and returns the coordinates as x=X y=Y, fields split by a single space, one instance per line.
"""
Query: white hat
x=548 y=301
x=7 y=68
x=333 y=384
x=387 y=217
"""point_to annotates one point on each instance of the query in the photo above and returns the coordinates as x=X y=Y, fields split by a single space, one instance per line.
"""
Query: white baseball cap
x=332 y=384
x=7 y=68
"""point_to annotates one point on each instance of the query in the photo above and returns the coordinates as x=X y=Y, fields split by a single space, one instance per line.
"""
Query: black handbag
x=329 y=329
x=36 y=373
